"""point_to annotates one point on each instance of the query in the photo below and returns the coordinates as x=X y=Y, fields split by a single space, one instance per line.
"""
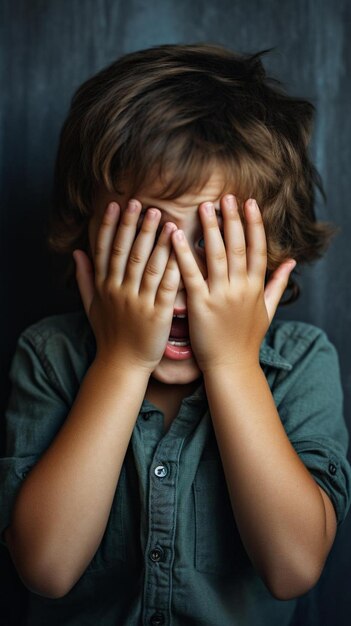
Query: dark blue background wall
x=49 y=47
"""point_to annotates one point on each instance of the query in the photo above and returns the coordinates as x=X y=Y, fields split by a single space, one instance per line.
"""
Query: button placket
x=159 y=554
x=161 y=471
x=156 y=555
x=162 y=510
x=332 y=469
x=157 y=619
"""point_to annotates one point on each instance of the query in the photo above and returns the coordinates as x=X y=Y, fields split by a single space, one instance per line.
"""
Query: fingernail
x=111 y=208
x=179 y=235
x=133 y=205
x=253 y=206
x=169 y=227
x=208 y=206
x=152 y=214
x=292 y=264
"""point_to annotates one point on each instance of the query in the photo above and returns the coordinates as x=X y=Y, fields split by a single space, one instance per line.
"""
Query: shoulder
x=71 y=325
x=61 y=345
x=300 y=359
x=296 y=341
x=309 y=398
x=70 y=329
x=309 y=391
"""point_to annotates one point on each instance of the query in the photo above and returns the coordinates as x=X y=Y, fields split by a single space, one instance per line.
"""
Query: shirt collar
x=271 y=356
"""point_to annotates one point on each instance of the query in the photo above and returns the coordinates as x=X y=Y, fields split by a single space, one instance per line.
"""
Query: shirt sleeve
x=312 y=414
x=34 y=414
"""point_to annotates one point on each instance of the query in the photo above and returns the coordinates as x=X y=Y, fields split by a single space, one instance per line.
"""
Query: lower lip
x=178 y=353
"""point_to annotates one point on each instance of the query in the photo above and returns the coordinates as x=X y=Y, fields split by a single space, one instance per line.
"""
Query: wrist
x=110 y=367
x=235 y=368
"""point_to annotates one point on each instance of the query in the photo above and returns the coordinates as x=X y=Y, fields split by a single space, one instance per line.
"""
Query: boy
x=186 y=450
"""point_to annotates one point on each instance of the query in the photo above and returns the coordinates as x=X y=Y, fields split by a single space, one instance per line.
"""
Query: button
x=161 y=471
x=332 y=468
x=157 y=619
x=156 y=555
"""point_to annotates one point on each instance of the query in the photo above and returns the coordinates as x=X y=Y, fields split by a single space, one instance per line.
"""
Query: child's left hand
x=230 y=311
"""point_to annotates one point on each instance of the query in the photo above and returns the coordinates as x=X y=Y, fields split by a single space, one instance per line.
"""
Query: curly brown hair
x=175 y=112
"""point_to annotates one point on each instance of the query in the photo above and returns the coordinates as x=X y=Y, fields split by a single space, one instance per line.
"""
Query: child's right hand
x=129 y=298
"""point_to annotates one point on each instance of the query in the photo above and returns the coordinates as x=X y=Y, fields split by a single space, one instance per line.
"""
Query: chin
x=172 y=372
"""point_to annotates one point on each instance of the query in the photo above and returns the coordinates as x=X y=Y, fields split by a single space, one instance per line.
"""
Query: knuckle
x=257 y=288
x=109 y=289
x=117 y=250
x=162 y=241
x=212 y=224
x=99 y=248
x=239 y=251
x=151 y=270
x=241 y=291
x=235 y=216
x=168 y=285
x=167 y=288
x=135 y=258
x=220 y=256
x=148 y=227
x=106 y=221
x=262 y=252
x=99 y=283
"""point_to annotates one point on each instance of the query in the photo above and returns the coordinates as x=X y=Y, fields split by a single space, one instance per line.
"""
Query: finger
x=216 y=256
x=142 y=248
x=123 y=240
x=104 y=240
x=168 y=287
x=256 y=244
x=189 y=269
x=157 y=262
x=85 y=278
x=276 y=286
x=234 y=237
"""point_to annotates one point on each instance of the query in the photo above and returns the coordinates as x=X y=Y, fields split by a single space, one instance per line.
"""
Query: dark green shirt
x=171 y=553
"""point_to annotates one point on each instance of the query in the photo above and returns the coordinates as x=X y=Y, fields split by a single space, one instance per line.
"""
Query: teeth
x=180 y=315
x=179 y=343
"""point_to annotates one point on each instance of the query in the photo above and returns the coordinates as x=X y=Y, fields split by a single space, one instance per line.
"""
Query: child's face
x=183 y=212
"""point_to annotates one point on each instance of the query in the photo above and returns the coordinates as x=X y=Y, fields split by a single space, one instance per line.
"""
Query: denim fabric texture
x=171 y=553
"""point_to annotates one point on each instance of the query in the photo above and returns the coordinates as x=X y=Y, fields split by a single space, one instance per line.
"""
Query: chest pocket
x=113 y=545
x=218 y=546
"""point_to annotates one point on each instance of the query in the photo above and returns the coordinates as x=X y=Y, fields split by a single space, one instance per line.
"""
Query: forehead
x=150 y=194
x=212 y=190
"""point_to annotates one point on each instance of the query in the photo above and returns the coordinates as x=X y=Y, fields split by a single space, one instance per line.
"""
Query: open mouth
x=178 y=344
x=179 y=334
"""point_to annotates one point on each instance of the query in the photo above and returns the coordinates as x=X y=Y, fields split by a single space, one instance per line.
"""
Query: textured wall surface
x=49 y=47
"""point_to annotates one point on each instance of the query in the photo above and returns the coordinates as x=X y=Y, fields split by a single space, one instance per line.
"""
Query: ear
x=85 y=278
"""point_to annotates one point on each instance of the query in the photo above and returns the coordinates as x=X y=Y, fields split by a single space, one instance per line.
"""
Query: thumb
x=85 y=278
x=276 y=286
